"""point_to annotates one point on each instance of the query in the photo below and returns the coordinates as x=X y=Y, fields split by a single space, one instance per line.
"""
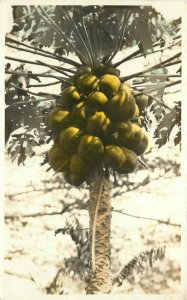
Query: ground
x=35 y=254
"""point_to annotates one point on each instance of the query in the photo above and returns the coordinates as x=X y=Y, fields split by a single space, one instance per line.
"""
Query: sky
x=168 y=9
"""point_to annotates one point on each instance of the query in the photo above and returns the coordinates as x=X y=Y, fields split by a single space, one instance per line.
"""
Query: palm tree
x=95 y=35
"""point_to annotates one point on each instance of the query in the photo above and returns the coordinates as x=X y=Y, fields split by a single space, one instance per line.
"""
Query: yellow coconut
x=70 y=96
x=136 y=112
x=142 y=147
x=96 y=100
x=109 y=85
x=58 y=119
x=122 y=133
x=87 y=83
x=90 y=148
x=98 y=125
x=69 y=139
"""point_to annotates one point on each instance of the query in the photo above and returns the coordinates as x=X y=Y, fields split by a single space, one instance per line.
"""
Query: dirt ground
x=33 y=254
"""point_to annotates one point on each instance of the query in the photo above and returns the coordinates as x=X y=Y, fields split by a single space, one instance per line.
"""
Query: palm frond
x=85 y=51
x=139 y=264
x=47 y=19
x=87 y=37
x=119 y=41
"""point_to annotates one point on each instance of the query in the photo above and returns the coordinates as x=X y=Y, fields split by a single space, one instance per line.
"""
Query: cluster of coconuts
x=96 y=121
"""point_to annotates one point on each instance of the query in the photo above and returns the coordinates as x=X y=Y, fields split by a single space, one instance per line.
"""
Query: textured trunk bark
x=100 y=280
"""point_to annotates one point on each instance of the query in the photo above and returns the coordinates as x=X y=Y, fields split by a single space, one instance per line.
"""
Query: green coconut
x=142 y=102
x=83 y=70
x=90 y=148
x=113 y=157
x=79 y=166
x=112 y=71
x=130 y=163
x=99 y=69
x=109 y=85
x=74 y=179
x=69 y=139
x=58 y=158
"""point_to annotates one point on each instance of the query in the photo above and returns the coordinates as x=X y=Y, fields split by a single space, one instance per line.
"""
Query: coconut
x=58 y=158
x=87 y=83
x=69 y=97
x=58 y=119
x=113 y=157
x=69 y=139
x=109 y=85
x=130 y=163
x=121 y=107
x=99 y=125
x=122 y=133
x=90 y=148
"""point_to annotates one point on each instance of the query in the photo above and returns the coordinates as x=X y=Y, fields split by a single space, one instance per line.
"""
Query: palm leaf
x=139 y=264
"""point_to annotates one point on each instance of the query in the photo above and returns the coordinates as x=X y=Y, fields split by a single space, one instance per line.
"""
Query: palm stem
x=79 y=36
x=162 y=75
x=38 y=63
x=30 y=101
x=53 y=68
x=41 y=94
x=159 y=101
x=87 y=38
x=114 y=48
x=46 y=84
x=36 y=74
x=161 y=49
x=161 y=64
x=48 y=20
x=149 y=90
x=52 y=55
x=122 y=31
x=134 y=54
x=173 y=63
x=33 y=52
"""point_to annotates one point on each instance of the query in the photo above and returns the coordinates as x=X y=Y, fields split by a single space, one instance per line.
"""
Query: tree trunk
x=100 y=280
